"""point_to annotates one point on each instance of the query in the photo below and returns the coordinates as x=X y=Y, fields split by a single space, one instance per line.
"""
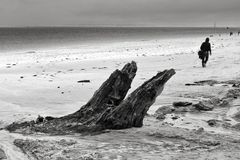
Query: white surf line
x=12 y=152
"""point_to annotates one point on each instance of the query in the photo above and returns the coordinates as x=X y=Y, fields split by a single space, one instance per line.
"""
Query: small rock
x=204 y=106
x=175 y=117
x=212 y=122
x=191 y=84
x=236 y=85
x=228 y=120
x=84 y=81
x=49 y=118
x=207 y=82
x=39 y=119
x=165 y=110
x=181 y=104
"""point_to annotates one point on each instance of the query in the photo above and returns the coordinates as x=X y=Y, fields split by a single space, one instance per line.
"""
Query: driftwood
x=107 y=109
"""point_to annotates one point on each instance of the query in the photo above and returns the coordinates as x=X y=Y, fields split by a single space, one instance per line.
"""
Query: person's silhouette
x=206 y=50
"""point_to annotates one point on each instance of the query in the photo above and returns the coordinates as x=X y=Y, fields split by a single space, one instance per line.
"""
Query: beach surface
x=47 y=83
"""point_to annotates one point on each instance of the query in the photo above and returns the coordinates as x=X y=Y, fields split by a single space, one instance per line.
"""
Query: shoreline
x=36 y=37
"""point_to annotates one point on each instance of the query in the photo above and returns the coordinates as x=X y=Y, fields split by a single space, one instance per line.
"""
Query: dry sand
x=46 y=83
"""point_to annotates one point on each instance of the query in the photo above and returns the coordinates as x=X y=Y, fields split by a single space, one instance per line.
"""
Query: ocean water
x=31 y=39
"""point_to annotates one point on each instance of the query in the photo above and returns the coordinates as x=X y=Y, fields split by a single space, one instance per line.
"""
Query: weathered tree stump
x=107 y=109
x=131 y=111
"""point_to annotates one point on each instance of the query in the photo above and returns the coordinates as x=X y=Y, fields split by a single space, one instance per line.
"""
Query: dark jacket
x=205 y=47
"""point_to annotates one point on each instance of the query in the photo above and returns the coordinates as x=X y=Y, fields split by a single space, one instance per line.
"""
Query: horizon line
x=114 y=26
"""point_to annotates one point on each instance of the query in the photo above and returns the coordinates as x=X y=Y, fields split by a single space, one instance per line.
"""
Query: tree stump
x=107 y=109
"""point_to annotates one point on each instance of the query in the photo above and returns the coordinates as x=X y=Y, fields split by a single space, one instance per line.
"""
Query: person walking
x=205 y=51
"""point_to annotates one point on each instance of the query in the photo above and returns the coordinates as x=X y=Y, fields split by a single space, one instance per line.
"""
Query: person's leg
x=203 y=61
x=206 y=58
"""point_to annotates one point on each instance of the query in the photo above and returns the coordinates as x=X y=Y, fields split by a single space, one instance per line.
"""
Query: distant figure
x=205 y=51
x=238 y=32
x=231 y=33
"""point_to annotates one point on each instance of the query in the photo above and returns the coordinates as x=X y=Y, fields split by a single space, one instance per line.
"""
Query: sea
x=29 y=39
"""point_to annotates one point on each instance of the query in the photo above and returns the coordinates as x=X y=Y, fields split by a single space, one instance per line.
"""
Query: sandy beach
x=46 y=82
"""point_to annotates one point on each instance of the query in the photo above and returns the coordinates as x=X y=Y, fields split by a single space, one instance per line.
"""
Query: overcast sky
x=119 y=12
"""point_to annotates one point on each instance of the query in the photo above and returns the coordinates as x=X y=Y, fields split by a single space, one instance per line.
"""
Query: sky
x=163 y=13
